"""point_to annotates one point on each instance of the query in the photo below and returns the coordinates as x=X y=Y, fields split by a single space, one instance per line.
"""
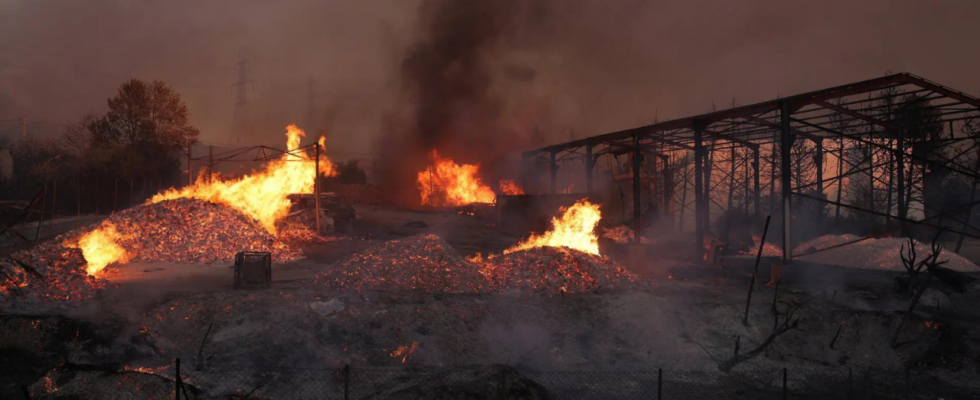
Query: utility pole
x=239 y=123
x=210 y=161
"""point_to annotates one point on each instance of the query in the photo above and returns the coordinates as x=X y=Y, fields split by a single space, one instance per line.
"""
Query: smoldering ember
x=438 y=199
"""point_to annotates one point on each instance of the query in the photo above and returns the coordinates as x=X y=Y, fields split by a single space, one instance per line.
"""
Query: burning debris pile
x=555 y=270
x=183 y=230
x=48 y=272
x=421 y=262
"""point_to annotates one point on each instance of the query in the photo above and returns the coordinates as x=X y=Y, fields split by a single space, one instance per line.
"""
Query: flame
x=446 y=183
x=575 y=229
x=507 y=186
x=100 y=248
x=261 y=195
x=404 y=351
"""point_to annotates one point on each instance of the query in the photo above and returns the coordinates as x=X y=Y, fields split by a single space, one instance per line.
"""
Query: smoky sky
x=563 y=68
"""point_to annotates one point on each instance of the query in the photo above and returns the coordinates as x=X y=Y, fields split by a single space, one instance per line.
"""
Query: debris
x=420 y=262
x=325 y=308
x=555 y=270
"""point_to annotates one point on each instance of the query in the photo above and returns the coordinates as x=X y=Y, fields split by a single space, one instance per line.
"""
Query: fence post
x=908 y=383
x=660 y=383
x=177 y=379
x=784 y=385
x=850 y=385
x=346 y=381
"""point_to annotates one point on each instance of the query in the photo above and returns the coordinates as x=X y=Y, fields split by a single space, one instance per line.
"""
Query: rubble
x=420 y=262
x=555 y=270
x=191 y=230
x=60 y=275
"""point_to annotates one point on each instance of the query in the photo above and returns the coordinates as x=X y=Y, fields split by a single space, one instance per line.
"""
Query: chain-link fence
x=500 y=382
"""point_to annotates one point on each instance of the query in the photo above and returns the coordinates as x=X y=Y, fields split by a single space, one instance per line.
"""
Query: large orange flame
x=261 y=195
x=575 y=229
x=508 y=187
x=446 y=183
x=100 y=248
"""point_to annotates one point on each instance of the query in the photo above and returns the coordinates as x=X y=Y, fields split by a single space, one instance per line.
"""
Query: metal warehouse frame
x=856 y=114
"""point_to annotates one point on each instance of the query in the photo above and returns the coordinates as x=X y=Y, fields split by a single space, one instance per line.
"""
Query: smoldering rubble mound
x=48 y=272
x=191 y=230
x=557 y=270
x=421 y=262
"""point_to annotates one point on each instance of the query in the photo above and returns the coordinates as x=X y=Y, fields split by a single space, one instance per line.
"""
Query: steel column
x=637 y=208
x=699 y=195
x=786 y=145
x=818 y=160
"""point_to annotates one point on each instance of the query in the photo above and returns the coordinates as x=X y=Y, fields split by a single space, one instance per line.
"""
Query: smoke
x=565 y=68
x=453 y=90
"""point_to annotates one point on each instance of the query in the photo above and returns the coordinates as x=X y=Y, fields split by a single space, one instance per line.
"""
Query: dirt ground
x=686 y=321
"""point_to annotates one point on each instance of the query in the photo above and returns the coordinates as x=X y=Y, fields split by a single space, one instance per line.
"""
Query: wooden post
x=78 y=196
x=660 y=383
x=177 y=379
x=346 y=381
x=785 y=389
x=44 y=199
x=553 y=163
x=699 y=193
x=211 y=161
x=54 y=204
x=316 y=185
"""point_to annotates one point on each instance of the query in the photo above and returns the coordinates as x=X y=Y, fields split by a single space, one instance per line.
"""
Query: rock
x=325 y=308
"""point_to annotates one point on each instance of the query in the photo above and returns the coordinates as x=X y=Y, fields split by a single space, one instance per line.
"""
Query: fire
x=404 y=351
x=575 y=229
x=261 y=195
x=446 y=183
x=100 y=248
x=508 y=187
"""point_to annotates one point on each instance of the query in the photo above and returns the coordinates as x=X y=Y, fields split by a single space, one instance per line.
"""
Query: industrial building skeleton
x=848 y=115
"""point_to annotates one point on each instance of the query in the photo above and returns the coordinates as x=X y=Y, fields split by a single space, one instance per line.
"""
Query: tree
x=145 y=129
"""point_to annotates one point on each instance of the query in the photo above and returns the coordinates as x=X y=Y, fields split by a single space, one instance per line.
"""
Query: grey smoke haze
x=588 y=66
